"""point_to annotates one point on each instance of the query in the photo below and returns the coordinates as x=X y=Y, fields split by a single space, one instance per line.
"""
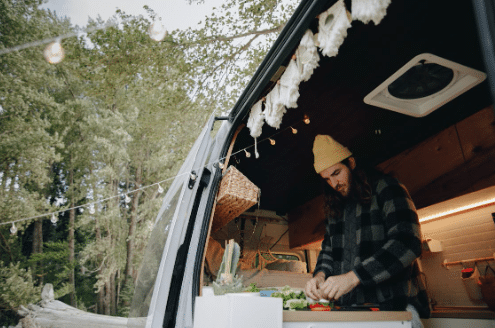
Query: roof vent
x=424 y=84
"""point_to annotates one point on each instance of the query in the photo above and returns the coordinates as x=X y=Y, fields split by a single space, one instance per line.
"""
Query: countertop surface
x=332 y=316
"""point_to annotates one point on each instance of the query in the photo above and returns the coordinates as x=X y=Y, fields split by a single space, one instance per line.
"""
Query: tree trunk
x=72 y=220
x=132 y=229
x=113 y=292
x=108 y=289
x=100 y=308
x=38 y=247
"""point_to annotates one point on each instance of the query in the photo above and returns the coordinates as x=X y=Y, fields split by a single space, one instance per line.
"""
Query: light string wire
x=86 y=205
x=60 y=37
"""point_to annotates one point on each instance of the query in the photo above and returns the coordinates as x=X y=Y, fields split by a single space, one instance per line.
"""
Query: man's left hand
x=336 y=286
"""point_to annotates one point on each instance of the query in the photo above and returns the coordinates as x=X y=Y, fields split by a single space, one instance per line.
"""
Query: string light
x=293 y=130
x=157 y=31
x=13 y=229
x=54 y=219
x=306 y=119
x=127 y=199
x=54 y=53
x=193 y=176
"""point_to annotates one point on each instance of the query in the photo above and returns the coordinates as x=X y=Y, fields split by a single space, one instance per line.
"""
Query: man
x=372 y=236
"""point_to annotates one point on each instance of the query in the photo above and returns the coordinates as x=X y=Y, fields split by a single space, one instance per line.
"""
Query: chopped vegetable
x=320 y=307
x=287 y=293
x=296 y=304
x=252 y=288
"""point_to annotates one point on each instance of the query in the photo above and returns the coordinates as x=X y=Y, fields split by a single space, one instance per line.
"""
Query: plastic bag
x=487 y=282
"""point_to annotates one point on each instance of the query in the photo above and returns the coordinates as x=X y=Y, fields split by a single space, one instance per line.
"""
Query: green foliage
x=56 y=268
x=17 y=286
x=120 y=112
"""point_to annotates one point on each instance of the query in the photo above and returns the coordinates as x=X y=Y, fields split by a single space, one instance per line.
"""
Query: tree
x=118 y=115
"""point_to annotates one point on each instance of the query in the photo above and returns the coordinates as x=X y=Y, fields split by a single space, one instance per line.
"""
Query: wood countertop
x=463 y=312
x=349 y=316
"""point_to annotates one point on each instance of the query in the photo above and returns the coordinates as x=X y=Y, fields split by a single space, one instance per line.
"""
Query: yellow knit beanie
x=328 y=152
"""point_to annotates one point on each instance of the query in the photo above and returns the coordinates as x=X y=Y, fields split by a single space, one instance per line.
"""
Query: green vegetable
x=288 y=293
x=252 y=288
x=296 y=304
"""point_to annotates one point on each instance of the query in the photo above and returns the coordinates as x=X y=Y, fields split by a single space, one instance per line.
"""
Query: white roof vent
x=424 y=84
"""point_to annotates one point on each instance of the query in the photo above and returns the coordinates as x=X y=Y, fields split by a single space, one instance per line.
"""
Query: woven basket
x=236 y=194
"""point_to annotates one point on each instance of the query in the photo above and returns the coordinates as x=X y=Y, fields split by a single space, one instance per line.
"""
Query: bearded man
x=372 y=240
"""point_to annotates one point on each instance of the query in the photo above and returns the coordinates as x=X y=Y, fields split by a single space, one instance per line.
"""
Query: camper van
x=408 y=87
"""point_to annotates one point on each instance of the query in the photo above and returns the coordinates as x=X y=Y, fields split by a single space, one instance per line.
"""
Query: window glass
x=151 y=262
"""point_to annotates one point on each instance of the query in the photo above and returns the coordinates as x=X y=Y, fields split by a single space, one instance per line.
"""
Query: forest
x=89 y=145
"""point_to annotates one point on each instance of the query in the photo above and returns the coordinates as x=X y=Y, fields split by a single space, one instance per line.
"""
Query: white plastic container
x=238 y=311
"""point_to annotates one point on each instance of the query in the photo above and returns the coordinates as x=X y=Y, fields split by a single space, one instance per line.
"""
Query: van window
x=289 y=257
x=147 y=275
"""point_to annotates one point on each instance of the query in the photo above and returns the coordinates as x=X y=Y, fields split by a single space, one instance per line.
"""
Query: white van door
x=166 y=267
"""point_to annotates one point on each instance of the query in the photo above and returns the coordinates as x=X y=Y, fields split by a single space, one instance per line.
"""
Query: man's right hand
x=313 y=286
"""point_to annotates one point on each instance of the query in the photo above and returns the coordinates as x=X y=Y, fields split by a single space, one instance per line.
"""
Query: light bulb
x=193 y=177
x=54 y=53
x=160 y=189
x=272 y=141
x=220 y=165
x=157 y=31
x=92 y=209
x=127 y=199
x=306 y=119
x=293 y=130
x=54 y=219
x=13 y=229
x=248 y=154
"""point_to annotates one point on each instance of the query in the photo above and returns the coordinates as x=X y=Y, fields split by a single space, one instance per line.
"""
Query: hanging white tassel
x=369 y=10
x=289 y=85
x=274 y=109
x=332 y=29
x=256 y=120
x=256 y=148
x=307 y=56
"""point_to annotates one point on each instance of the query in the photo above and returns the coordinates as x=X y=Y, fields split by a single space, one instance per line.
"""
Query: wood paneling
x=307 y=223
x=418 y=166
x=454 y=162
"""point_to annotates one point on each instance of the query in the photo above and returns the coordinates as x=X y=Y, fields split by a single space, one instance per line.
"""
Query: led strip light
x=459 y=209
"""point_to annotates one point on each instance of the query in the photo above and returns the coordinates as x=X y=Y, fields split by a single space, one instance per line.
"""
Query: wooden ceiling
x=438 y=157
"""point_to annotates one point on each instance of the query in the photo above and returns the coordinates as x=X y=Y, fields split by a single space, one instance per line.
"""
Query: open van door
x=164 y=288
x=484 y=11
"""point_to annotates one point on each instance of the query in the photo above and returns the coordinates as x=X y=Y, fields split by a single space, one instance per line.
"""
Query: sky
x=174 y=13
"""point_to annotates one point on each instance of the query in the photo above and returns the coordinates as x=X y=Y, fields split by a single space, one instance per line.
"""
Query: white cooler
x=241 y=310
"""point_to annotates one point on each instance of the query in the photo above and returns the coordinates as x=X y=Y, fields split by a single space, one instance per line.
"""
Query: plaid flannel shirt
x=387 y=244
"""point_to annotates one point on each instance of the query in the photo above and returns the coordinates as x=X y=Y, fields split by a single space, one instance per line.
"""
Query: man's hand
x=313 y=286
x=336 y=286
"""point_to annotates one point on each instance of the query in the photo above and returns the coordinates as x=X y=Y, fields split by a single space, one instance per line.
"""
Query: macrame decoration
x=369 y=10
x=289 y=85
x=307 y=56
x=274 y=109
x=256 y=118
x=255 y=124
x=332 y=29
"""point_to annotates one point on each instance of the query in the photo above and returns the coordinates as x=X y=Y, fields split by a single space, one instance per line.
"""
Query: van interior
x=365 y=98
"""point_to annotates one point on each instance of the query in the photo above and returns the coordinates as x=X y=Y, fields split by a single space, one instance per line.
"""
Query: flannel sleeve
x=325 y=258
x=403 y=239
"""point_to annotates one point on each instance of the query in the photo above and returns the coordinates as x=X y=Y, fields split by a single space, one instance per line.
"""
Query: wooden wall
x=454 y=162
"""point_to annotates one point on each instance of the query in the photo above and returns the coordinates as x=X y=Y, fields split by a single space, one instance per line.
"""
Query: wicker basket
x=236 y=194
